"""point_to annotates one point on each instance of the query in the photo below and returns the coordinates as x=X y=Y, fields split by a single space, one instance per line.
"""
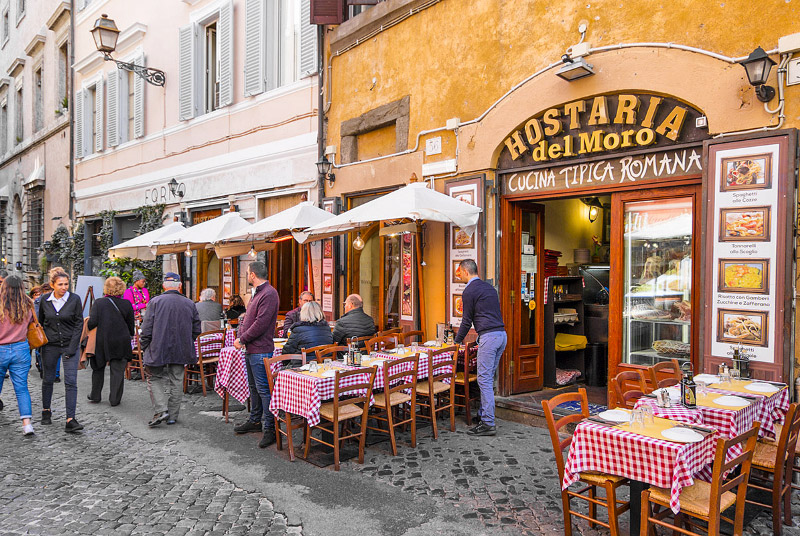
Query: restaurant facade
x=639 y=195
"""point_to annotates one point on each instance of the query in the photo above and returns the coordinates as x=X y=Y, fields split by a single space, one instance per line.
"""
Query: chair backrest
x=392 y=331
x=312 y=352
x=554 y=426
x=357 y=393
x=670 y=372
x=271 y=363
x=721 y=467
x=385 y=342
x=470 y=353
x=787 y=444
x=360 y=340
x=419 y=335
x=209 y=344
x=626 y=393
x=442 y=369
x=330 y=352
x=210 y=325
x=404 y=372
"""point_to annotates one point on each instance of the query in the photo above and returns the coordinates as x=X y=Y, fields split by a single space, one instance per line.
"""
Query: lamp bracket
x=152 y=76
x=765 y=93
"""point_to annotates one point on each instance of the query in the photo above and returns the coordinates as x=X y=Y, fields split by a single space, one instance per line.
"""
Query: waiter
x=482 y=309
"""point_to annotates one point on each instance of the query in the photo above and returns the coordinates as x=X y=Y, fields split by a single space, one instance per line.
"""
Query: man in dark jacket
x=170 y=327
x=293 y=316
x=256 y=332
x=312 y=330
x=207 y=308
x=354 y=322
x=482 y=309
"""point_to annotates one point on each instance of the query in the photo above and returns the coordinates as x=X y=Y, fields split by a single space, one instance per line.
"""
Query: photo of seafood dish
x=749 y=327
x=738 y=225
x=737 y=275
x=746 y=173
x=458 y=306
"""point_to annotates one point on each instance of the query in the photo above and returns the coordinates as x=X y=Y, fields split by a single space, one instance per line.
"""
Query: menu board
x=461 y=246
x=746 y=220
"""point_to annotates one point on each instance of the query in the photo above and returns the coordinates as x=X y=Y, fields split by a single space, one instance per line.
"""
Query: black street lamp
x=757 y=66
x=106 y=33
x=324 y=168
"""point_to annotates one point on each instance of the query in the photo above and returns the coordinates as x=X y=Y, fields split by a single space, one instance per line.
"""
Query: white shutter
x=186 y=72
x=138 y=102
x=113 y=122
x=308 y=41
x=225 y=37
x=98 y=115
x=272 y=45
x=253 y=47
x=79 y=124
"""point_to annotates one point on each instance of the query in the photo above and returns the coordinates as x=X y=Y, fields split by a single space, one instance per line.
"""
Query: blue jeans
x=255 y=399
x=256 y=362
x=16 y=359
x=490 y=348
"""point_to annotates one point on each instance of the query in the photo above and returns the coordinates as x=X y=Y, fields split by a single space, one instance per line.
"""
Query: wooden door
x=526 y=297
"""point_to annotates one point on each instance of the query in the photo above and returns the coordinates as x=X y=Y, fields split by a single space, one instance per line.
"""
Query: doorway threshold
x=526 y=408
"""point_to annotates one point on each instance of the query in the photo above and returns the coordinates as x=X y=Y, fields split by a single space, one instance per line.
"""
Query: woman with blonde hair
x=16 y=312
x=113 y=317
x=61 y=316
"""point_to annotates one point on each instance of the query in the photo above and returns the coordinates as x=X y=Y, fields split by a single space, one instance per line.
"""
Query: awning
x=201 y=235
x=140 y=247
x=296 y=218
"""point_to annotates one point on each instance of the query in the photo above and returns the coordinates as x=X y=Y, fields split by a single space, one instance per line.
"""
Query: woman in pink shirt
x=16 y=312
x=137 y=294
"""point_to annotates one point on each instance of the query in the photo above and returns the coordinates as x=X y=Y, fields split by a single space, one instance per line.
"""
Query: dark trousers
x=255 y=399
x=50 y=358
x=117 y=377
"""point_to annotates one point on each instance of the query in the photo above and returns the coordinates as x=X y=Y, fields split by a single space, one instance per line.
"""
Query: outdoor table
x=302 y=392
x=226 y=340
x=642 y=456
x=408 y=351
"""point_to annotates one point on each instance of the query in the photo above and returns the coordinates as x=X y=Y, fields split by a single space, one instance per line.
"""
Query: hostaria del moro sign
x=600 y=124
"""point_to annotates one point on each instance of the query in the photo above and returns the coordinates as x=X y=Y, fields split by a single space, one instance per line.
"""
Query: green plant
x=65 y=250
x=65 y=103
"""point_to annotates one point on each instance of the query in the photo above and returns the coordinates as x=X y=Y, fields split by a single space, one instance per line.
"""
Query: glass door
x=658 y=243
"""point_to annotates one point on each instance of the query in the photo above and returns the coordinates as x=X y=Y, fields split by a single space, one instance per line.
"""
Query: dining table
x=231 y=376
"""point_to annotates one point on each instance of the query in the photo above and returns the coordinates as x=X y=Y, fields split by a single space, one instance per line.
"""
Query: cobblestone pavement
x=120 y=477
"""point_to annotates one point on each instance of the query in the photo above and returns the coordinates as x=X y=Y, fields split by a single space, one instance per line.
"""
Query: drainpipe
x=320 y=108
x=71 y=92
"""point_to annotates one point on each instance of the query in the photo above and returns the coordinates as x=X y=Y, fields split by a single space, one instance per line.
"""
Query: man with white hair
x=207 y=308
x=170 y=327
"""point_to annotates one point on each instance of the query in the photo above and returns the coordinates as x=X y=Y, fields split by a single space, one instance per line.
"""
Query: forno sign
x=603 y=123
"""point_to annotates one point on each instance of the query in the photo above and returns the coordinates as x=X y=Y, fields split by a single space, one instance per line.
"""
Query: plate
x=761 y=387
x=279 y=340
x=682 y=435
x=707 y=378
x=430 y=343
x=615 y=415
x=731 y=401
x=674 y=394
x=329 y=374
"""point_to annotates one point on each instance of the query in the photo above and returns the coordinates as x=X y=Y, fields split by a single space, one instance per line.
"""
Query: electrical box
x=793 y=72
x=433 y=146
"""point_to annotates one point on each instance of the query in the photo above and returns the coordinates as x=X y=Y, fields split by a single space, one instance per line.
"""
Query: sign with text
x=461 y=246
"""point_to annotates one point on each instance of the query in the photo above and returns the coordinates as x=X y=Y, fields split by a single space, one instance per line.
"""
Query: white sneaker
x=27 y=429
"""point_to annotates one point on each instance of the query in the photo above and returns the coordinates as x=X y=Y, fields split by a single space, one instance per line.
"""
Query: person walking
x=61 y=316
x=482 y=309
x=113 y=317
x=16 y=313
x=312 y=330
x=256 y=332
x=170 y=328
x=138 y=294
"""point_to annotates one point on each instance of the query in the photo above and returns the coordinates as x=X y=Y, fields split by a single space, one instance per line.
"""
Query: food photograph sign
x=461 y=246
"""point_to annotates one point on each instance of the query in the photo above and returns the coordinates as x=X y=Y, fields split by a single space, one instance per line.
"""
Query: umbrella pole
x=420 y=292
x=310 y=270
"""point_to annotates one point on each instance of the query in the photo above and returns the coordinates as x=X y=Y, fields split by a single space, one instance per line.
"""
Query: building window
x=19 y=131
x=211 y=68
x=63 y=77
x=38 y=101
x=35 y=236
x=91 y=127
x=6 y=25
x=20 y=10
x=131 y=111
x=289 y=37
x=3 y=127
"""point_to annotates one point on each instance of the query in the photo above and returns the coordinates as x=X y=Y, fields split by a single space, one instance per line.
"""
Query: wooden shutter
x=98 y=116
x=328 y=11
x=138 y=103
x=225 y=37
x=254 y=27
x=79 y=124
x=113 y=108
x=272 y=46
x=186 y=72
x=308 y=41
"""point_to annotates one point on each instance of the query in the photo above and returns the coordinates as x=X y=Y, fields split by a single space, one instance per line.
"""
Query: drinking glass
x=647 y=414
x=701 y=388
x=312 y=367
x=734 y=375
x=637 y=419
x=400 y=348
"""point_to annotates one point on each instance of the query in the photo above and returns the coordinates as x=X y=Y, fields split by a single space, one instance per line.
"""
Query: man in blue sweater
x=482 y=309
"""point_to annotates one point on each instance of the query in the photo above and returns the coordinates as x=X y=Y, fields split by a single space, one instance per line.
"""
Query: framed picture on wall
x=462 y=240
x=327 y=248
x=748 y=276
x=227 y=267
x=458 y=305
x=746 y=327
x=746 y=173
x=454 y=272
x=744 y=225
x=327 y=283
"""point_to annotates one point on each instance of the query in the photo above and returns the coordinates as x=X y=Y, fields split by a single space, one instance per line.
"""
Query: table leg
x=225 y=404
x=637 y=488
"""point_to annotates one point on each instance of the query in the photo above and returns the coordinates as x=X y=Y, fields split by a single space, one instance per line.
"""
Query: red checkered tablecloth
x=227 y=340
x=422 y=370
x=232 y=372
x=302 y=394
x=616 y=451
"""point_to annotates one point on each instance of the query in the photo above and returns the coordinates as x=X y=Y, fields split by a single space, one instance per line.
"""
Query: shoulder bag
x=36 y=336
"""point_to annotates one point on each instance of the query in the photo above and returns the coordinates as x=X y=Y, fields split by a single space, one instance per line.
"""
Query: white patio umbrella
x=139 y=247
x=201 y=235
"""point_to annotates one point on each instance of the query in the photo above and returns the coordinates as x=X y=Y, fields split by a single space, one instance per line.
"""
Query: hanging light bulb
x=358 y=243
x=252 y=253
x=188 y=251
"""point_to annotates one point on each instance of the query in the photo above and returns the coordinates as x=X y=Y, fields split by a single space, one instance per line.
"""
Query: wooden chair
x=626 y=394
x=330 y=352
x=776 y=461
x=431 y=390
x=207 y=358
x=466 y=376
x=286 y=419
x=394 y=332
x=670 y=372
x=312 y=352
x=609 y=483
x=349 y=402
x=379 y=343
x=420 y=336
x=399 y=379
x=137 y=362
x=210 y=325
x=705 y=501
